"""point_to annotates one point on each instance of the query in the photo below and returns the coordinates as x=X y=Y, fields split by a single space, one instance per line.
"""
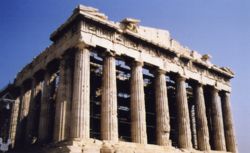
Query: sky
x=220 y=28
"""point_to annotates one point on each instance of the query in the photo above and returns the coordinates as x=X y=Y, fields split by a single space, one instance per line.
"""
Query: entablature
x=95 y=31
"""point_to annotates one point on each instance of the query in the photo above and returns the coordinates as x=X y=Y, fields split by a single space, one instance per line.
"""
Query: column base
x=97 y=146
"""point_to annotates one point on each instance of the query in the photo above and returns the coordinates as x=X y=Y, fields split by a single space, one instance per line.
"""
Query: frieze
x=96 y=30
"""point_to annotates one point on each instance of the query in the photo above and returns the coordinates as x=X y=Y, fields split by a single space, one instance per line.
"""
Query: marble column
x=109 y=120
x=63 y=101
x=13 y=121
x=201 y=118
x=44 y=121
x=30 y=135
x=184 y=131
x=80 y=113
x=217 y=123
x=25 y=95
x=138 y=112
x=162 y=111
x=228 y=123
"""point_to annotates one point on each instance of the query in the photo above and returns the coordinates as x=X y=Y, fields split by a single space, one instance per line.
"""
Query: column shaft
x=13 y=121
x=217 y=130
x=29 y=126
x=183 y=115
x=80 y=121
x=44 y=121
x=138 y=113
x=63 y=101
x=201 y=119
x=23 y=113
x=162 y=111
x=30 y=135
x=228 y=123
x=109 y=121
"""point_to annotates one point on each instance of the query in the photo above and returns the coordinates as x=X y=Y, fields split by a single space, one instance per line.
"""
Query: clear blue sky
x=218 y=27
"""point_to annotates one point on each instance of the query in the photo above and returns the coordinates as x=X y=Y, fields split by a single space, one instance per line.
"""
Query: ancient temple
x=117 y=87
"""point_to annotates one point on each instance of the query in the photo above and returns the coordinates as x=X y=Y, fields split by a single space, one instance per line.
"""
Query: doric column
x=162 y=111
x=25 y=95
x=30 y=133
x=13 y=121
x=138 y=113
x=80 y=122
x=228 y=123
x=109 y=121
x=61 y=128
x=44 y=121
x=201 y=118
x=217 y=130
x=184 y=137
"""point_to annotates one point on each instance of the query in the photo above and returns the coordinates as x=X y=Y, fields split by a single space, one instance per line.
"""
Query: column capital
x=197 y=83
x=181 y=78
x=227 y=93
x=81 y=45
x=160 y=71
x=215 y=89
x=137 y=63
x=109 y=53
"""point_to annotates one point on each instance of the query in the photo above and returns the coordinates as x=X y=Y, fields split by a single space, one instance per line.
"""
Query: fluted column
x=109 y=121
x=13 y=121
x=30 y=134
x=228 y=123
x=201 y=118
x=162 y=111
x=184 y=134
x=80 y=122
x=44 y=121
x=138 y=113
x=61 y=128
x=217 y=130
x=25 y=95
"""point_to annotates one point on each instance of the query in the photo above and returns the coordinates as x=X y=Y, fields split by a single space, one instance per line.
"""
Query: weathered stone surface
x=44 y=122
x=63 y=102
x=80 y=117
x=109 y=118
x=231 y=144
x=162 y=111
x=217 y=122
x=138 y=113
x=184 y=131
x=201 y=123
x=14 y=121
x=23 y=113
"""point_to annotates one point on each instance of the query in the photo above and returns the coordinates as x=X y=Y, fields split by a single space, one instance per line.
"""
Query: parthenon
x=117 y=87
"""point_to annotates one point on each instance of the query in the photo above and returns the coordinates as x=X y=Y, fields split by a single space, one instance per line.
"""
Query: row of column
x=74 y=122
